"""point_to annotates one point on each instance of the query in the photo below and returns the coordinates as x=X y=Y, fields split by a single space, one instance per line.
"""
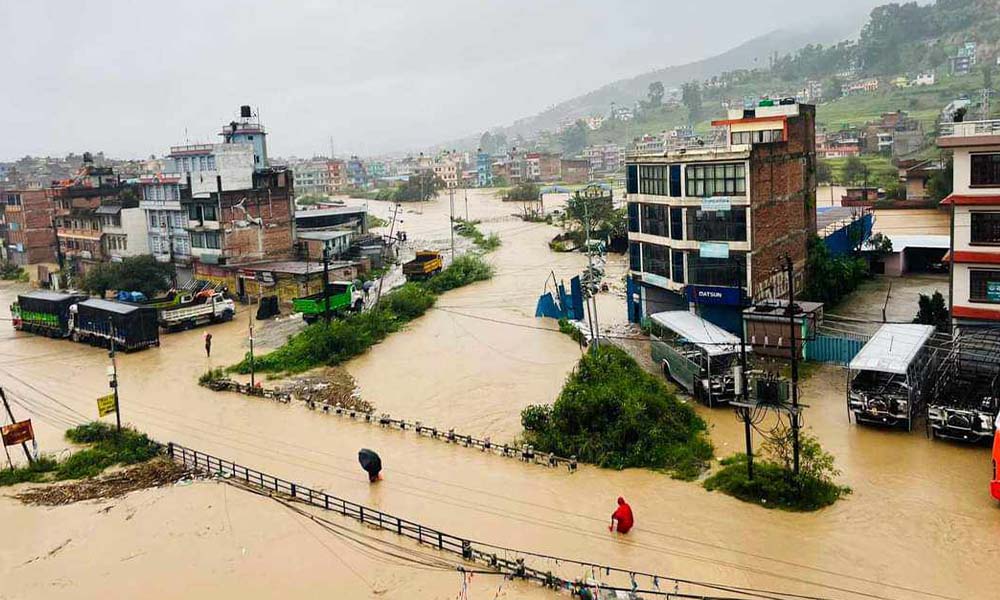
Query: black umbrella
x=370 y=462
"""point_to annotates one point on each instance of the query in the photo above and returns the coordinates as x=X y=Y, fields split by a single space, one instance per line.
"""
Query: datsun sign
x=707 y=294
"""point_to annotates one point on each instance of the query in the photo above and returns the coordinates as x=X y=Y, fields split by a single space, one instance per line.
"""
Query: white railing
x=970 y=128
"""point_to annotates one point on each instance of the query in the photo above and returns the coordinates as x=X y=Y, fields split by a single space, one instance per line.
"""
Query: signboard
x=17 y=433
x=993 y=291
x=716 y=203
x=711 y=294
x=656 y=280
x=105 y=405
x=265 y=277
x=593 y=191
x=713 y=250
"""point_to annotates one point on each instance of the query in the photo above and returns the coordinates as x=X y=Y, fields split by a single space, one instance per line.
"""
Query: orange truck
x=426 y=263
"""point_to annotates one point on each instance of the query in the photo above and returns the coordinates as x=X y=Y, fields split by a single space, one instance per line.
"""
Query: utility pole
x=793 y=354
x=326 y=283
x=114 y=377
x=252 y=366
x=591 y=286
x=451 y=220
x=466 y=203
x=392 y=228
x=745 y=411
x=24 y=445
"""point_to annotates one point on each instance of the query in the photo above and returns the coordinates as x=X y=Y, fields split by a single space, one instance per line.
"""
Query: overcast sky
x=130 y=78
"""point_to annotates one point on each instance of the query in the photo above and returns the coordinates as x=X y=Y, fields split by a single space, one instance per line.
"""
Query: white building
x=975 y=206
x=925 y=79
x=205 y=163
x=125 y=231
x=312 y=177
x=164 y=221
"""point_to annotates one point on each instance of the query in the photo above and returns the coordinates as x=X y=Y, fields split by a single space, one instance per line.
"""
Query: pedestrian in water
x=371 y=463
x=208 y=345
x=622 y=514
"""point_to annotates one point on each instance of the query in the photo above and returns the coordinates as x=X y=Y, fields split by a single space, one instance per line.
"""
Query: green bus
x=699 y=356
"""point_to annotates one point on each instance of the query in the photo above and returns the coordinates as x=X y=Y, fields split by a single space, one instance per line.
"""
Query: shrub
x=211 y=376
x=572 y=331
x=10 y=271
x=462 y=271
x=468 y=229
x=613 y=414
x=35 y=472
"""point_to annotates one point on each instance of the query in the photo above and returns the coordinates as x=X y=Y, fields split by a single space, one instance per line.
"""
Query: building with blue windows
x=484 y=169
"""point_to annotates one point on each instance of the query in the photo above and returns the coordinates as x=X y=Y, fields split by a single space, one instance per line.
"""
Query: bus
x=888 y=377
x=696 y=354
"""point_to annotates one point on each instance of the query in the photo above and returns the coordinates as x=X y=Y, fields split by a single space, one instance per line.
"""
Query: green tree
x=855 y=170
x=939 y=185
x=829 y=278
x=988 y=75
x=932 y=310
x=824 y=173
x=831 y=89
x=523 y=192
x=420 y=187
x=573 y=139
x=655 y=95
x=133 y=274
x=691 y=98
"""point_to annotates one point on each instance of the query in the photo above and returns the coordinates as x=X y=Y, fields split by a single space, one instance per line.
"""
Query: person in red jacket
x=622 y=514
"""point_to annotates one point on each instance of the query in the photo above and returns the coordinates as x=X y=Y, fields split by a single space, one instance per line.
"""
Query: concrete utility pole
x=326 y=283
x=793 y=354
x=252 y=366
x=451 y=220
x=392 y=228
x=591 y=291
x=113 y=376
x=10 y=414
x=466 y=204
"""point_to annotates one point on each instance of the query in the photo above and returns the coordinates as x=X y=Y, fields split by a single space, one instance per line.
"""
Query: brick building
x=708 y=227
x=28 y=234
x=575 y=170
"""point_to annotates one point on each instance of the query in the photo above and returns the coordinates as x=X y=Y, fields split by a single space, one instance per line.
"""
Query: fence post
x=170 y=450
x=440 y=542
x=293 y=489
x=361 y=510
x=326 y=501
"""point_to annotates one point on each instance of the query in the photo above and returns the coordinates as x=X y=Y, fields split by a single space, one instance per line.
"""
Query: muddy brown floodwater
x=920 y=523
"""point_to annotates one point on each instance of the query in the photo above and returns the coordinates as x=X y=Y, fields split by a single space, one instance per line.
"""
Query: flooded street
x=920 y=523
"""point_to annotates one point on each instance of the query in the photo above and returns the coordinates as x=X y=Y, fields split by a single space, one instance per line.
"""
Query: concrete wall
x=963 y=171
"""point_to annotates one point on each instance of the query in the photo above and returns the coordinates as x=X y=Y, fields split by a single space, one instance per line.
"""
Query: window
x=193 y=213
x=654 y=179
x=677 y=261
x=633 y=217
x=985 y=229
x=716 y=180
x=654 y=219
x=13 y=199
x=729 y=272
x=212 y=240
x=719 y=225
x=153 y=220
x=655 y=260
x=198 y=240
x=743 y=138
x=634 y=262
x=985 y=170
x=632 y=179
x=675 y=181
x=676 y=223
x=208 y=212
x=984 y=286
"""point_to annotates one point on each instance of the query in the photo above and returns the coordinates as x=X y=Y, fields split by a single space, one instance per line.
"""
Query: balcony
x=969 y=133
x=79 y=234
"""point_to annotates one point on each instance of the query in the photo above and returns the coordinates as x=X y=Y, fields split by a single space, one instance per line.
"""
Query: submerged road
x=920 y=523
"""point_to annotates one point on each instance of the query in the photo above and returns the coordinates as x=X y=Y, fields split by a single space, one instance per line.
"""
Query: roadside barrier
x=504 y=561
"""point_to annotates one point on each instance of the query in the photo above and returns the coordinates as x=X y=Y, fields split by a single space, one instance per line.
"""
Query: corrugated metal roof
x=713 y=339
x=892 y=348
x=902 y=242
x=109 y=306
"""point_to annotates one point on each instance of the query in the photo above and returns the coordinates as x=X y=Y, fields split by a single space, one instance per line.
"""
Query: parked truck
x=343 y=296
x=97 y=322
x=965 y=399
x=213 y=307
x=44 y=313
x=426 y=264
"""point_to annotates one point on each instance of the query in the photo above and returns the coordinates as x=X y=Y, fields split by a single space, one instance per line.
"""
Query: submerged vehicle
x=44 y=313
x=426 y=263
x=964 y=401
x=207 y=307
x=343 y=296
x=696 y=354
x=97 y=322
x=887 y=379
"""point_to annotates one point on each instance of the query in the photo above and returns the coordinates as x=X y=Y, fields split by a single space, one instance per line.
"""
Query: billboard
x=17 y=433
x=711 y=294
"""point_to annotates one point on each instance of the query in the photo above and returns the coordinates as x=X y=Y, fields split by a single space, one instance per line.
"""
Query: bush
x=829 y=278
x=211 y=376
x=571 y=330
x=33 y=473
x=11 y=272
x=409 y=301
x=468 y=229
x=774 y=484
x=462 y=271
x=614 y=414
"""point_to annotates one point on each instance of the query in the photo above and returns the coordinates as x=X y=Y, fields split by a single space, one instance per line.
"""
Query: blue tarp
x=847 y=238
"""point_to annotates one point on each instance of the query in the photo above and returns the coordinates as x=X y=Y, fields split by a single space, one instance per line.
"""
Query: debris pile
x=330 y=386
x=154 y=473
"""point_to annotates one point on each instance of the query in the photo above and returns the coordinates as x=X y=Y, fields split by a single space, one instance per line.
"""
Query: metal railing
x=970 y=128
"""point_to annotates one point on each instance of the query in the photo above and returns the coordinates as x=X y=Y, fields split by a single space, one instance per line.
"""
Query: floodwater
x=920 y=523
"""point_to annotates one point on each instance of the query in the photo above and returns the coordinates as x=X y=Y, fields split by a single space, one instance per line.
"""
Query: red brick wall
x=783 y=203
x=273 y=206
x=34 y=227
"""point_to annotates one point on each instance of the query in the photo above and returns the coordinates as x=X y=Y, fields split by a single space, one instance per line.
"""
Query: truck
x=97 y=322
x=44 y=313
x=171 y=298
x=343 y=297
x=964 y=401
x=213 y=307
x=426 y=264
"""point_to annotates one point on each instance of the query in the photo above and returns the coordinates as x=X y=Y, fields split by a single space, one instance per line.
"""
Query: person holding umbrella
x=371 y=463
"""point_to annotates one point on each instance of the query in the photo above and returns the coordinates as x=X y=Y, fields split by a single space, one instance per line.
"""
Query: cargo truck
x=343 y=297
x=964 y=400
x=213 y=308
x=426 y=264
x=44 y=313
x=97 y=322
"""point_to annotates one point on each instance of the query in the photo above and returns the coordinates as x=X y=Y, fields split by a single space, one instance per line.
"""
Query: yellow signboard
x=106 y=405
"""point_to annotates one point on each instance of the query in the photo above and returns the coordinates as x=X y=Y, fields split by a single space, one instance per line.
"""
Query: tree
x=133 y=274
x=880 y=244
x=855 y=170
x=831 y=89
x=691 y=98
x=939 y=185
x=655 y=95
x=988 y=76
x=932 y=311
x=573 y=139
x=523 y=192
x=420 y=187
x=824 y=173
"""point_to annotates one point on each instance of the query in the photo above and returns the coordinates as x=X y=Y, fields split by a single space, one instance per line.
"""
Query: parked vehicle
x=964 y=401
x=97 y=322
x=888 y=377
x=213 y=307
x=343 y=296
x=44 y=313
x=426 y=264
x=995 y=484
x=696 y=354
x=171 y=298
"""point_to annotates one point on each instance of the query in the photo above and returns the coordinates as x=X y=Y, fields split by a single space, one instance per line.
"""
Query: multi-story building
x=484 y=169
x=203 y=164
x=83 y=206
x=248 y=131
x=574 y=170
x=165 y=223
x=336 y=175
x=357 y=175
x=975 y=221
x=861 y=86
x=28 y=234
x=605 y=158
x=965 y=60
x=709 y=227
x=312 y=177
x=448 y=168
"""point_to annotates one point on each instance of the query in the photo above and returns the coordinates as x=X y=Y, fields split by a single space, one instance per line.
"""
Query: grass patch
x=469 y=229
x=614 y=414
x=211 y=376
x=774 y=485
x=106 y=448
x=322 y=344
x=569 y=329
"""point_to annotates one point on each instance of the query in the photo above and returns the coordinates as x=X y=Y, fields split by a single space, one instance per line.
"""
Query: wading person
x=208 y=345
x=371 y=463
x=623 y=515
